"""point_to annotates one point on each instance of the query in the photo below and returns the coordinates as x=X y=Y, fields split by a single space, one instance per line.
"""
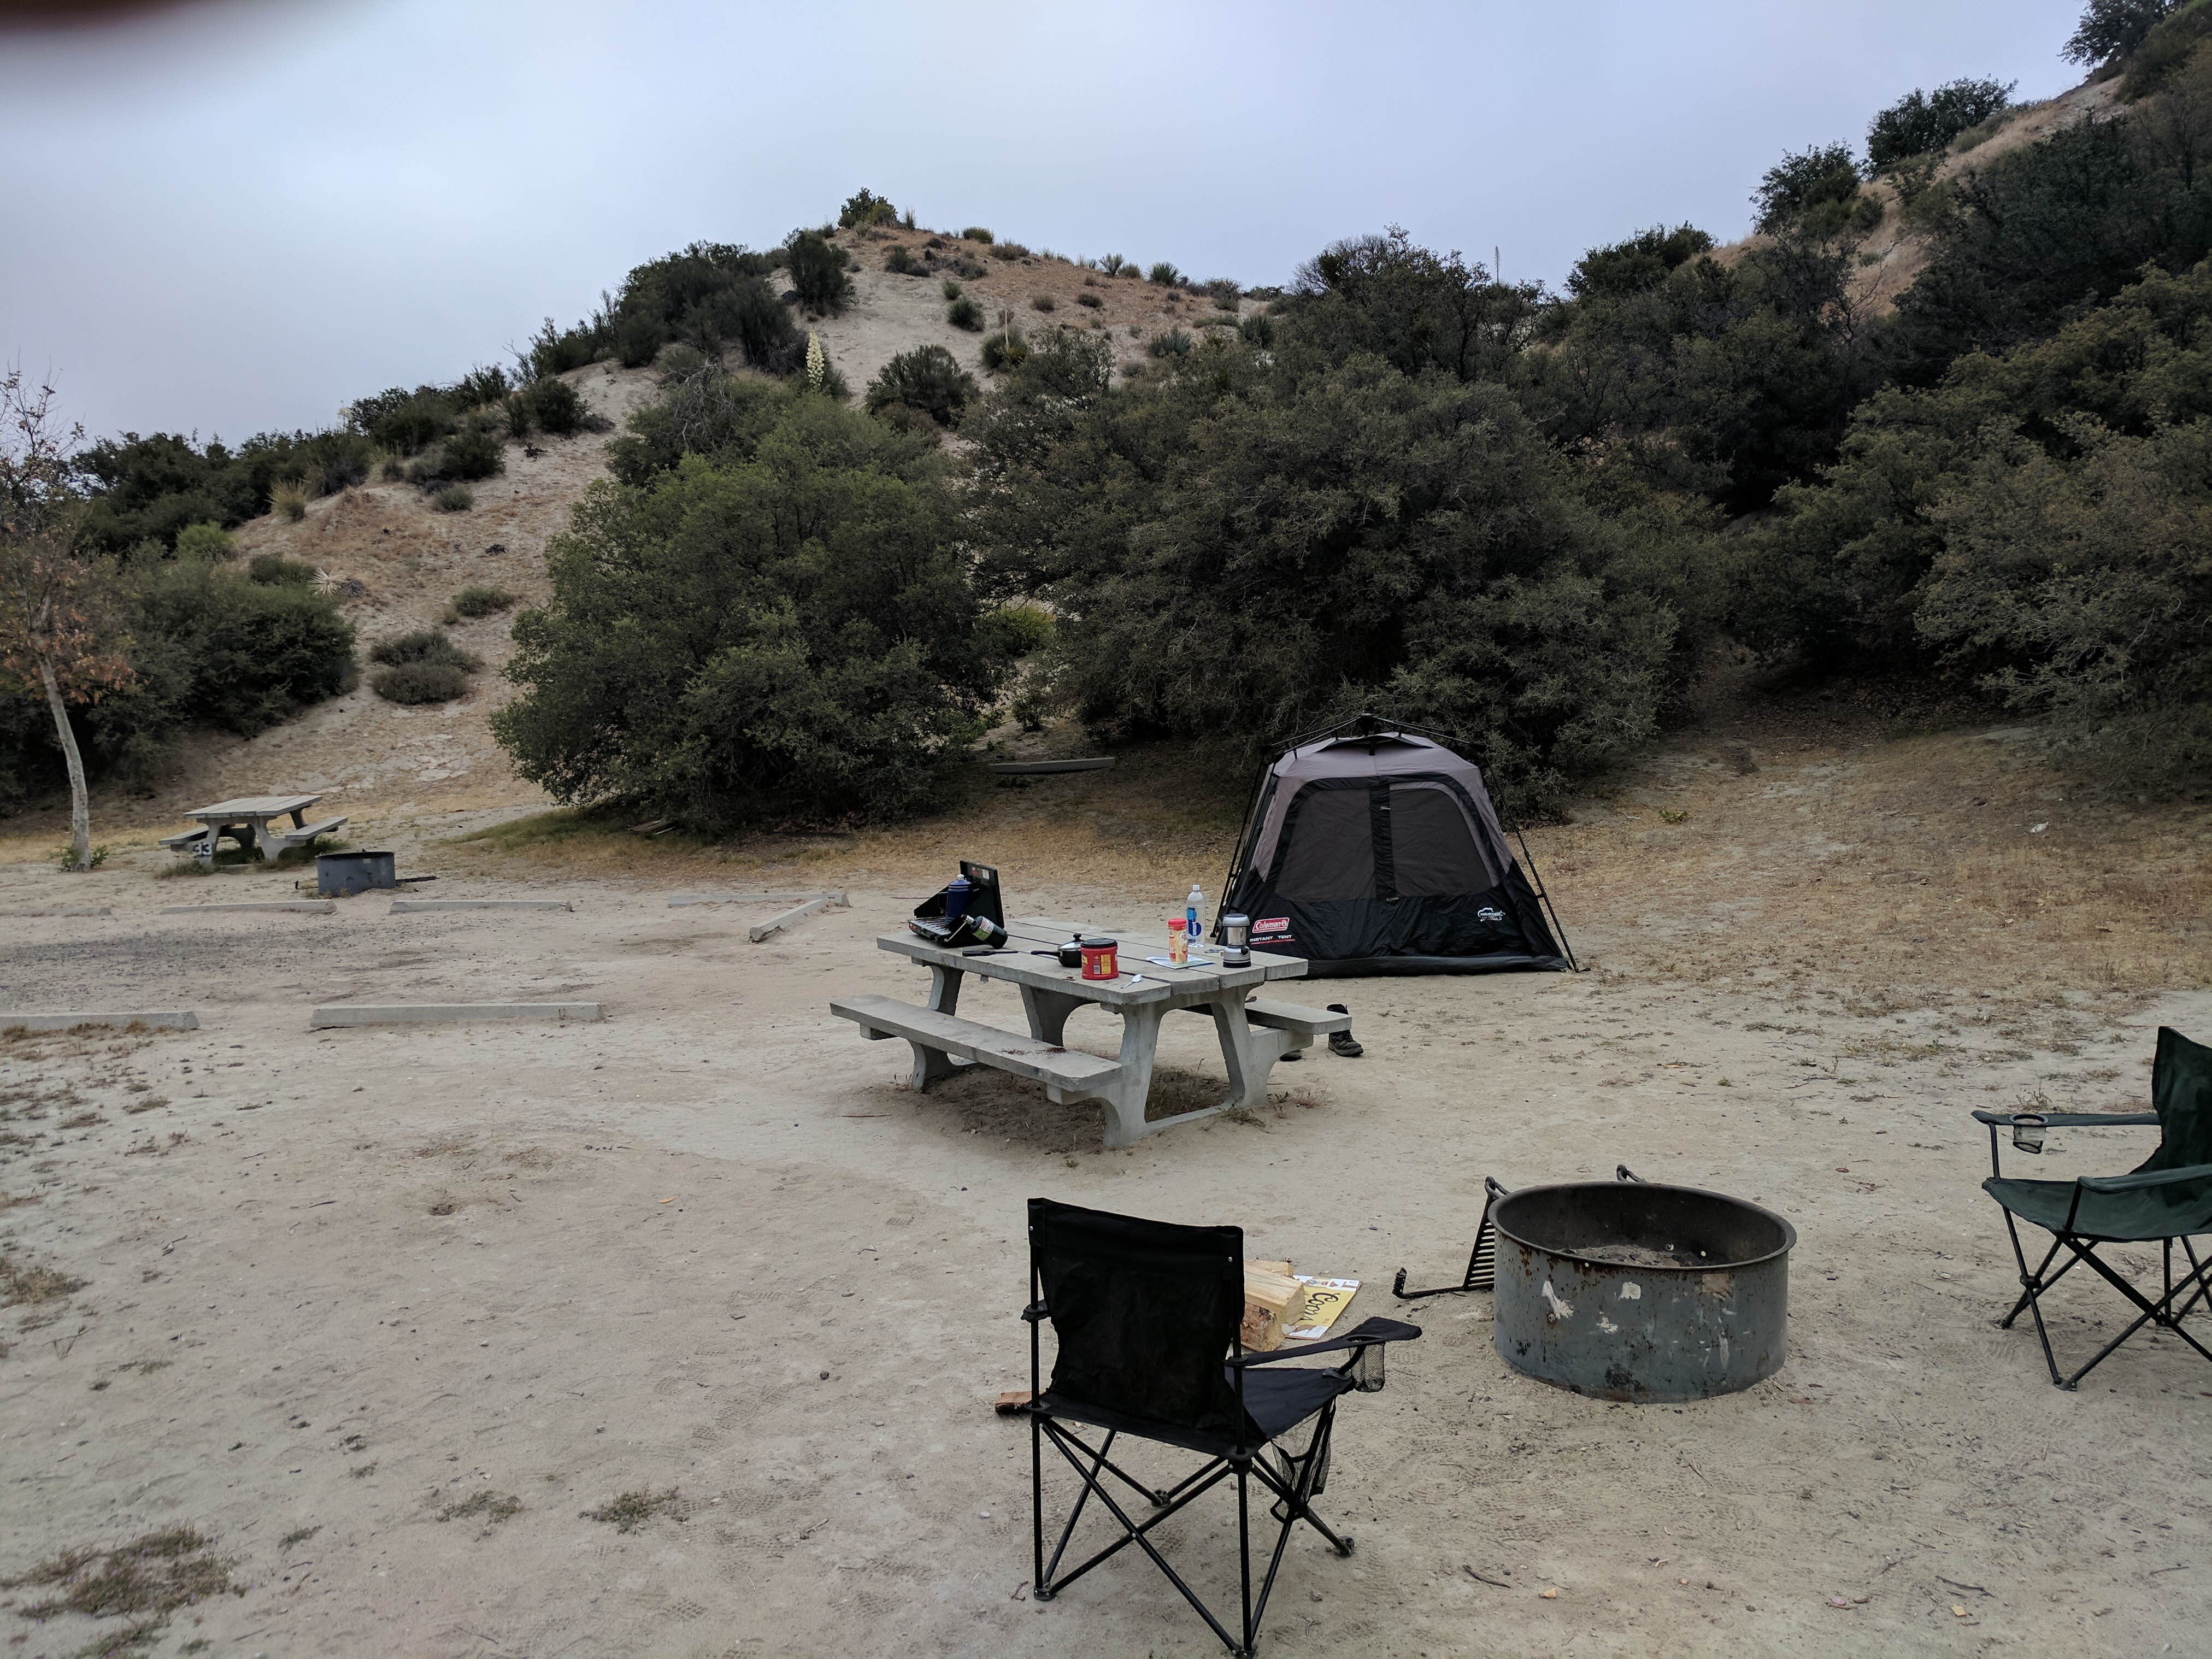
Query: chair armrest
x=1365 y=1335
x=2069 y=1120
x=2145 y=1179
x=1035 y=1311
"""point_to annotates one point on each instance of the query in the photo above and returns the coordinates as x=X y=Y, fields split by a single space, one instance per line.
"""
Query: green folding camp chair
x=2166 y=1200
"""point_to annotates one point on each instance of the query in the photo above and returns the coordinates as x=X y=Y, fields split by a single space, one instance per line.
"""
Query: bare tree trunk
x=79 y=804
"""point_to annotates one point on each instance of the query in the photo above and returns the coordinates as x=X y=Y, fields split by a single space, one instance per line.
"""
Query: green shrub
x=975 y=233
x=902 y=263
x=454 y=498
x=1112 y=263
x=1043 y=302
x=205 y=541
x=702 y=661
x=1920 y=122
x=1225 y=294
x=928 y=379
x=215 y=647
x=1802 y=181
x=964 y=313
x=1089 y=299
x=1004 y=350
x=2165 y=49
x=476 y=451
x=638 y=337
x=865 y=207
x=1016 y=630
x=558 y=406
x=519 y=422
x=2113 y=28
x=1173 y=343
x=1638 y=264
x=480 y=386
x=420 y=683
x=477 y=601
x=1257 y=330
x=428 y=645
x=950 y=289
x=817 y=273
x=708 y=412
x=274 y=570
x=1165 y=274
x=554 y=350
x=290 y=498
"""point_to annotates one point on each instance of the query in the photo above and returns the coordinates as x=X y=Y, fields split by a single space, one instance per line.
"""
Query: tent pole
x=1544 y=897
x=1244 y=835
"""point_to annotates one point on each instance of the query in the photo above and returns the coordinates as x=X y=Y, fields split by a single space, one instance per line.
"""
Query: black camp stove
x=1631 y=1289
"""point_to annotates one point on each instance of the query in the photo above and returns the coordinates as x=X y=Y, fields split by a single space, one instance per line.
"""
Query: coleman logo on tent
x=1271 y=925
x=1489 y=914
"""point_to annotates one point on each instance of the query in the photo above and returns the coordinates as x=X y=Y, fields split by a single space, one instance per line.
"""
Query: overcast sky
x=229 y=216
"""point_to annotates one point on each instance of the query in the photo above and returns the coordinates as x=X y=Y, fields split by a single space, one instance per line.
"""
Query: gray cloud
x=233 y=216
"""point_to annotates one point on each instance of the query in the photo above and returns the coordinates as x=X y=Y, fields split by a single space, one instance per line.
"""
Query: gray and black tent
x=1372 y=848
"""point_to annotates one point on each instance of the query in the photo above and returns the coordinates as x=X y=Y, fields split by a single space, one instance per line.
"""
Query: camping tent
x=1378 y=852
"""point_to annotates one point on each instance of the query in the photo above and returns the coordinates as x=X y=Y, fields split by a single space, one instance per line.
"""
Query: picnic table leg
x=265 y=840
x=1248 y=1051
x=1048 y=1012
x=930 y=1064
x=1125 y=1106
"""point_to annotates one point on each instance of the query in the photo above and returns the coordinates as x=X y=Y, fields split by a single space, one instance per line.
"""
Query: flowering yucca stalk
x=817 y=361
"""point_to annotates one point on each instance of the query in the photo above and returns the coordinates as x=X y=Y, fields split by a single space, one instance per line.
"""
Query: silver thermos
x=1235 y=929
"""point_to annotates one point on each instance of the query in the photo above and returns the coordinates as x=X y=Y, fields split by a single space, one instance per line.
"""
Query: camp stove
x=1631 y=1289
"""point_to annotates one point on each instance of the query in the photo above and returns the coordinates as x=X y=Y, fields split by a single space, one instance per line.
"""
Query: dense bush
x=2166 y=50
x=1004 y=350
x=928 y=379
x=150 y=489
x=1043 y=302
x=976 y=234
x=1165 y=274
x=556 y=351
x=1172 y=343
x=423 y=645
x=418 y=683
x=1215 y=546
x=454 y=498
x=209 y=647
x=950 y=289
x=706 y=412
x=1921 y=122
x=865 y=207
x=790 y=634
x=556 y=406
x=288 y=499
x=817 y=273
x=205 y=541
x=274 y=570
x=2072 y=219
x=1638 y=264
x=475 y=450
x=478 y=600
x=1810 y=187
x=2113 y=28
x=902 y=263
x=964 y=313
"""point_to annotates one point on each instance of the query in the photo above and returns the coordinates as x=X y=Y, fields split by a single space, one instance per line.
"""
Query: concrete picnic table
x=251 y=818
x=1255 y=1033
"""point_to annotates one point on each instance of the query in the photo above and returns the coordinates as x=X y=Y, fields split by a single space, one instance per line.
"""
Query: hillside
x=368 y=756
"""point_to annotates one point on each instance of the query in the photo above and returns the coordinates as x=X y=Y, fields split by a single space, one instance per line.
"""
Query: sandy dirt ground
x=386 y=1316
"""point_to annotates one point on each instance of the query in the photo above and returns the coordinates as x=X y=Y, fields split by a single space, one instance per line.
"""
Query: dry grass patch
x=154 y=1575
x=630 y=1510
x=24 y=1283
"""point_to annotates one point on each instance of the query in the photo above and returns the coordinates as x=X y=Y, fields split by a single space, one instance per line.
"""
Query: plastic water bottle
x=1192 y=906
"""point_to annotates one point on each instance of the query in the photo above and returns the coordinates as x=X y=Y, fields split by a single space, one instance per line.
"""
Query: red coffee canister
x=1101 y=960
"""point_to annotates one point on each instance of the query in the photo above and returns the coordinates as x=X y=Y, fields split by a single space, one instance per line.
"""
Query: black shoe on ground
x=1343 y=1044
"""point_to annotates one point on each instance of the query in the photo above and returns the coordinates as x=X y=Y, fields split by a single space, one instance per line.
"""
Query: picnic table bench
x=252 y=821
x=1253 y=1032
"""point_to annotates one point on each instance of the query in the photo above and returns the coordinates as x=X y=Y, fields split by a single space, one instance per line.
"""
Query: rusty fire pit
x=1633 y=1290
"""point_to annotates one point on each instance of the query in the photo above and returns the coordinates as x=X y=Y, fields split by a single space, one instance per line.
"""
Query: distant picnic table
x=1255 y=1032
x=253 y=821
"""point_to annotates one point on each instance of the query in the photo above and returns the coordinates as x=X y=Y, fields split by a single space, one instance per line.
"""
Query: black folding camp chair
x=1147 y=1315
x=2166 y=1200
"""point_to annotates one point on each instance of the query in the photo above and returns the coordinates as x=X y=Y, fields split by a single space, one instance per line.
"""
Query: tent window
x=1331 y=850
x=1433 y=846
